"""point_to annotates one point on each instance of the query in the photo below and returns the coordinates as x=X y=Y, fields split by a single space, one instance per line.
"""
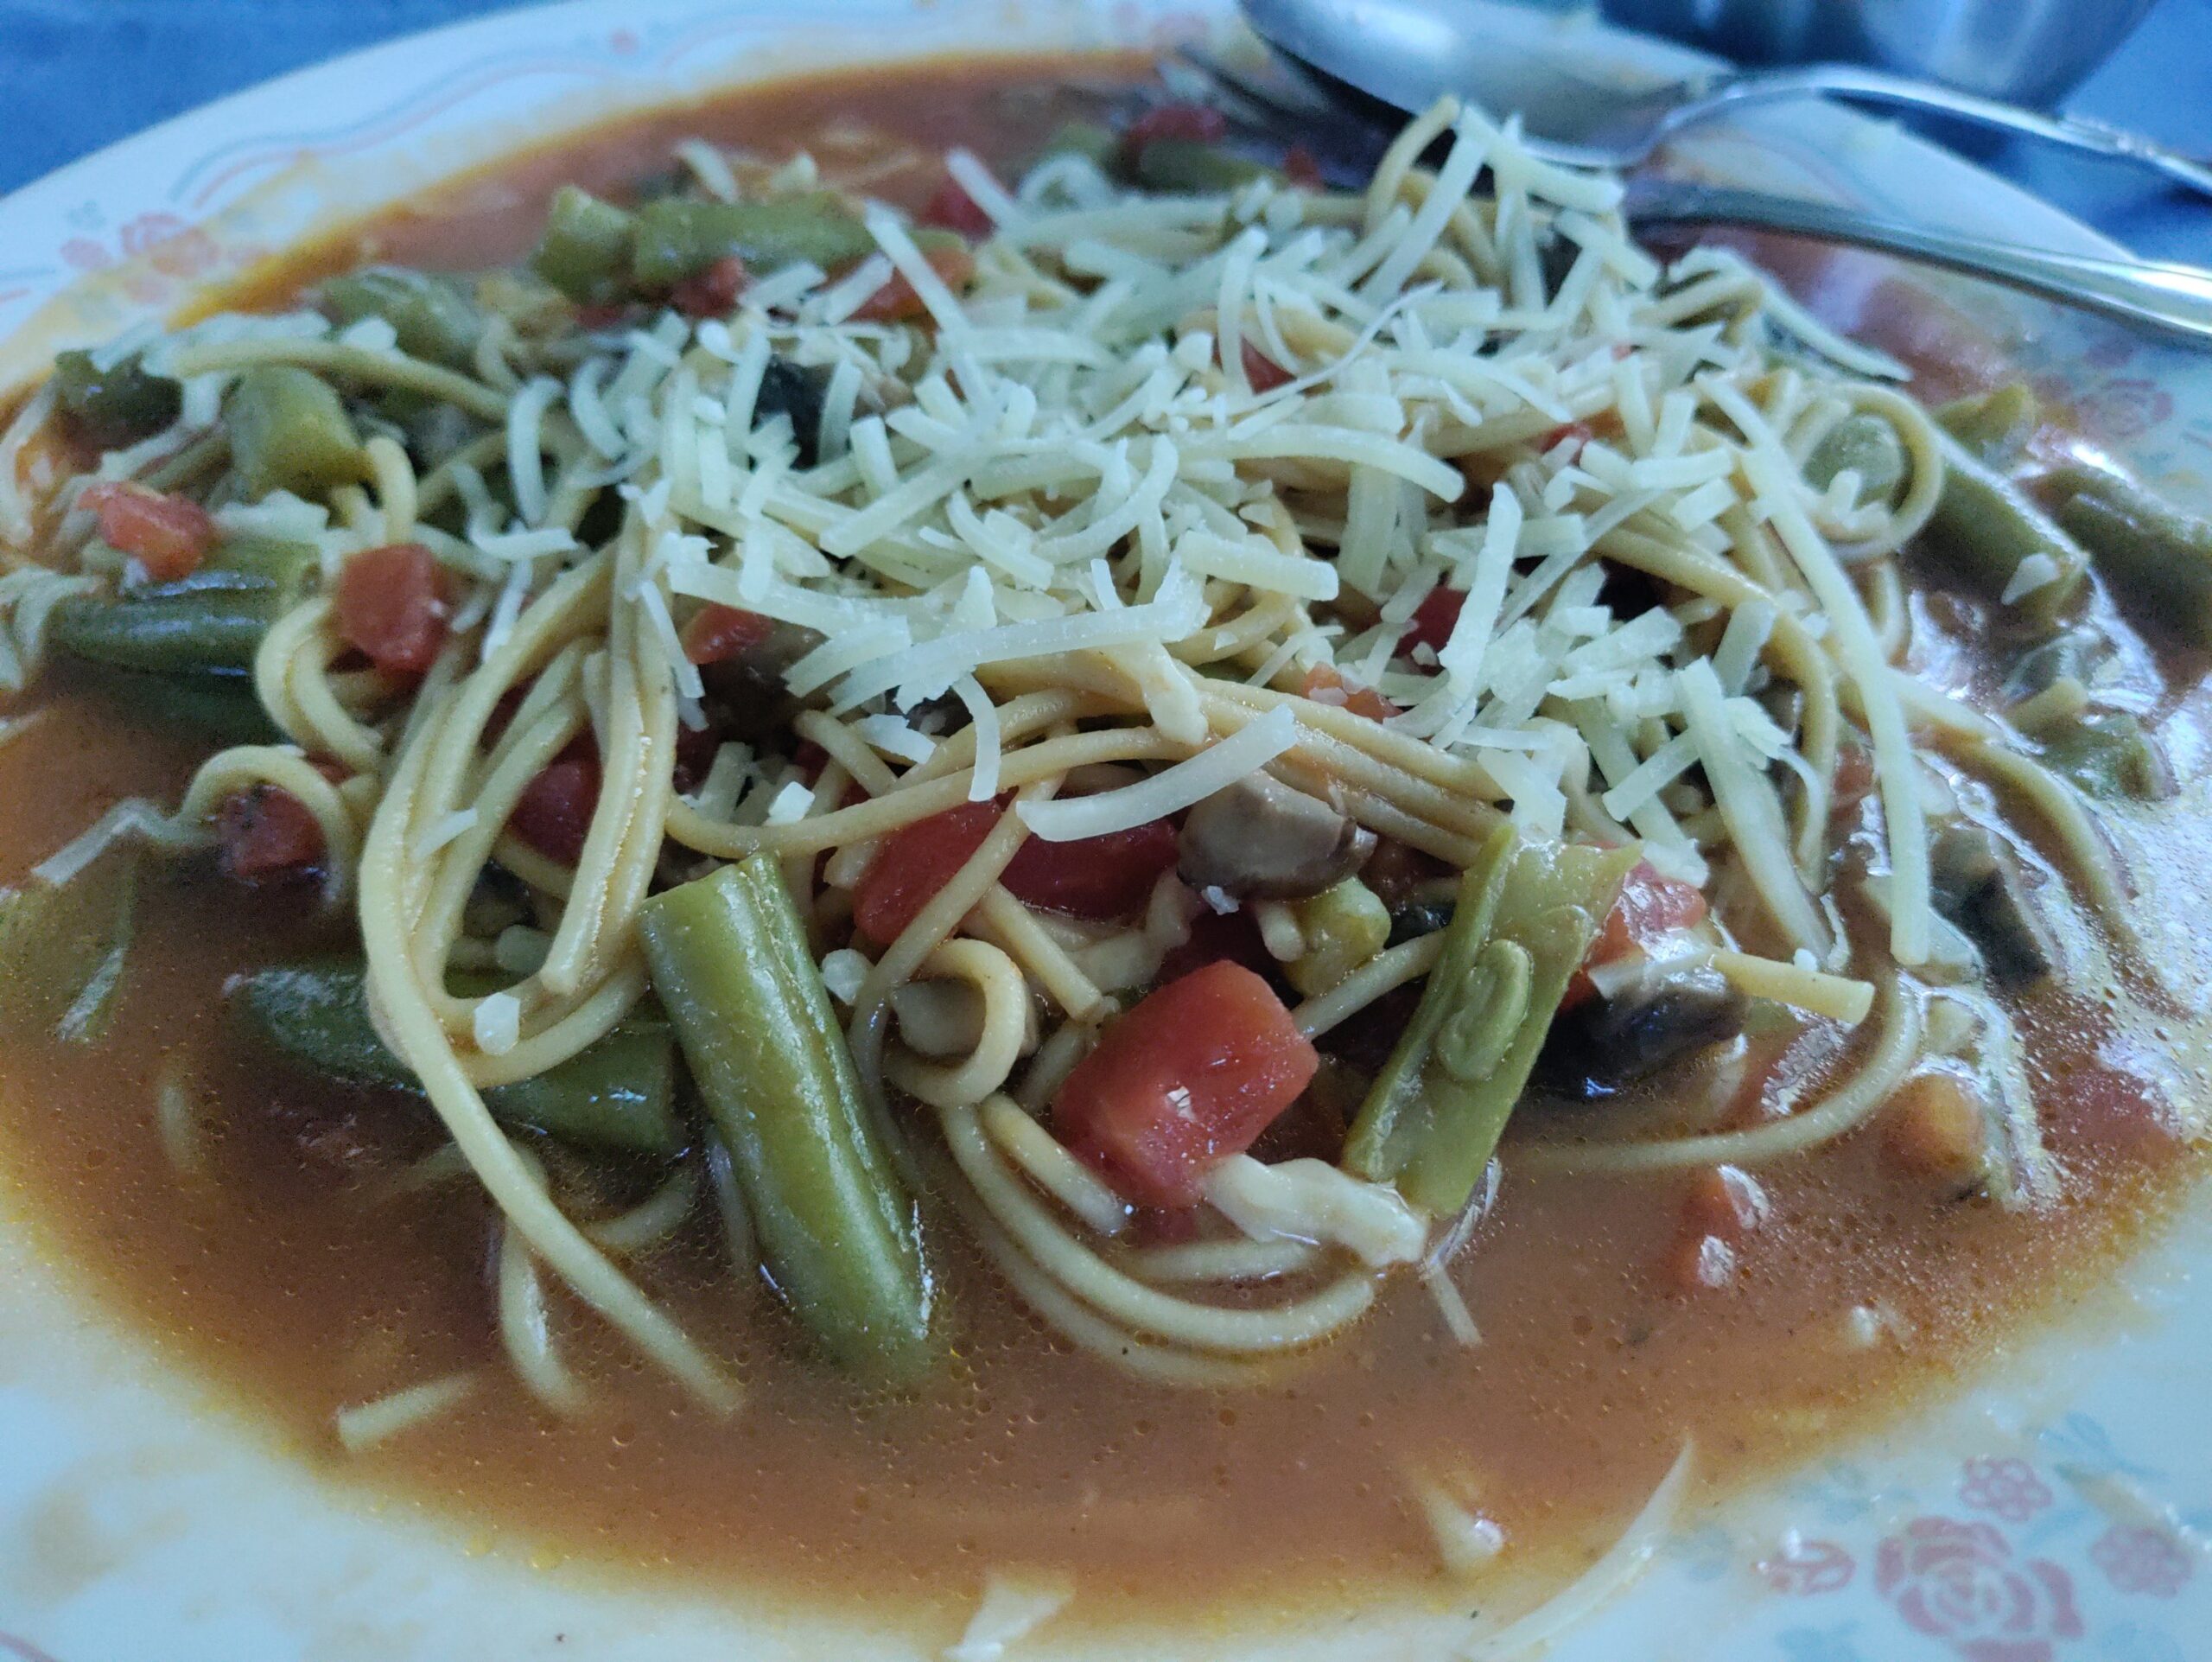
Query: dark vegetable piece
x=840 y=1235
x=678 y=239
x=2110 y=757
x=618 y=1093
x=289 y=431
x=433 y=318
x=2075 y=653
x=1607 y=1043
x=213 y=620
x=219 y=704
x=117 y=405
x=2153 y=554
x=1191 y=168
x=586 y=247
x=1526 y=916
x=63 y=949
x=1261 y=838
x=1867 y=445
x=1984 y=527
x=787 y=390
x=1979 y=886
x=1088 y=139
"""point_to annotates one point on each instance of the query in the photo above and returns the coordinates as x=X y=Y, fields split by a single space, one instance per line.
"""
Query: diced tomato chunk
x=1197 y=124
x=896 y=302
x=1262 y=371
x=1327 y=686
x=553 y=814
x=1650 y=906
x=696 y=748
x=169 y=535
x=1188 y=1078
x=265 y=833
x=391 y=604
x=1107 y=877
x=913 y=863
x=1434 y=620
x=713 y=292
x=1301 y=167
x=717 y=634
x=954 y=209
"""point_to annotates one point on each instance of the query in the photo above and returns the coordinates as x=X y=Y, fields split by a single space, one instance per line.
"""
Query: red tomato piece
x=265 y=833
x=553 y=814
x=1262 y=371
x=1107 y=877
x=1650 y=906
x=896 y=300
x=913 y=863
x=1434 y=620
x=1579 y=432
x=1301 y=167
x=717 y=634
x=1197 y=124
x=1327 y=686
x=954 y=209
x=713 y=292
x=169 y=535
x=391 y=604
x=695 y=755
x=1188 y=1078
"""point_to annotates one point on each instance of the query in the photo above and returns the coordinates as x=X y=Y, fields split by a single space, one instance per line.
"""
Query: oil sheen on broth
x=289 y=1265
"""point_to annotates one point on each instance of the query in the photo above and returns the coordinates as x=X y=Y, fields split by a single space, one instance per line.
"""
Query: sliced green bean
x=2151 y=552
x=1191 y=168
x=839 y=1233
x=1088 y=139
x=289 y=431
x=63 y=948
x=1984 y=527
x=1526 y=915
x=220 y=705
x=678 y=239
x=431 y=315
x=586 y=249
x=117 y=405
x=2110 y=757
x=213 y=620
x=1867 y=445
x=617 y=1093
x=1994 y=428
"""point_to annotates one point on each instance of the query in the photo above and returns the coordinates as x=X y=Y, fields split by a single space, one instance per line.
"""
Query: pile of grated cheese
x=1073 y=456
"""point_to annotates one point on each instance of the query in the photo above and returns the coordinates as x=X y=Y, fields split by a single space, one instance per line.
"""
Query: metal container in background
x=2031 y=52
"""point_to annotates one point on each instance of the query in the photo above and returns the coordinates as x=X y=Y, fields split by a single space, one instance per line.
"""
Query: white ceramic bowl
x=2060 y=1510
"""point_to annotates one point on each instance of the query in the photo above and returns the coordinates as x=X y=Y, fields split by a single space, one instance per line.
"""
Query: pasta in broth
x=1123 y=725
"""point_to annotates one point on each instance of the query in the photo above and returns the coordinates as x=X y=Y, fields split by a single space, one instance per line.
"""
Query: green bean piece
x=2151 y=552
x=2077 y=653
x=213 y=620
x=289 y=431
x=1189 y=167
x=729 y=958
x=1089 y=139
x=585 y=249
x=220 y=705
x=678 y=240
x=1867 y=445
x=1984 y=527
x=63 y=949
x=1343 y=926
x=1527 y=913
x=117 y=405
x=2110 y=757
x=619 y=1092
x=1994 y=427
x=429 y=314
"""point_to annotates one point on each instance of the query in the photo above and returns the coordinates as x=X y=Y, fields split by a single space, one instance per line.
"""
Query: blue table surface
x=77 y=74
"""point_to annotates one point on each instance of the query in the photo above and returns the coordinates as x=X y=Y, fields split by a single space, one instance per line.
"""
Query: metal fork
x=1287 y=104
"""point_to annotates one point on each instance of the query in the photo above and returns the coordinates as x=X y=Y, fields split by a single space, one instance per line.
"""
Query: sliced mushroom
x=746 y=694
x=1259 y=838
x=1668 y=1011
x=1980 y=886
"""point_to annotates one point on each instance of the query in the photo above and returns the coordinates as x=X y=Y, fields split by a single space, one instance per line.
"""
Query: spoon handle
x=1851 y=81
x=2173 y=298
